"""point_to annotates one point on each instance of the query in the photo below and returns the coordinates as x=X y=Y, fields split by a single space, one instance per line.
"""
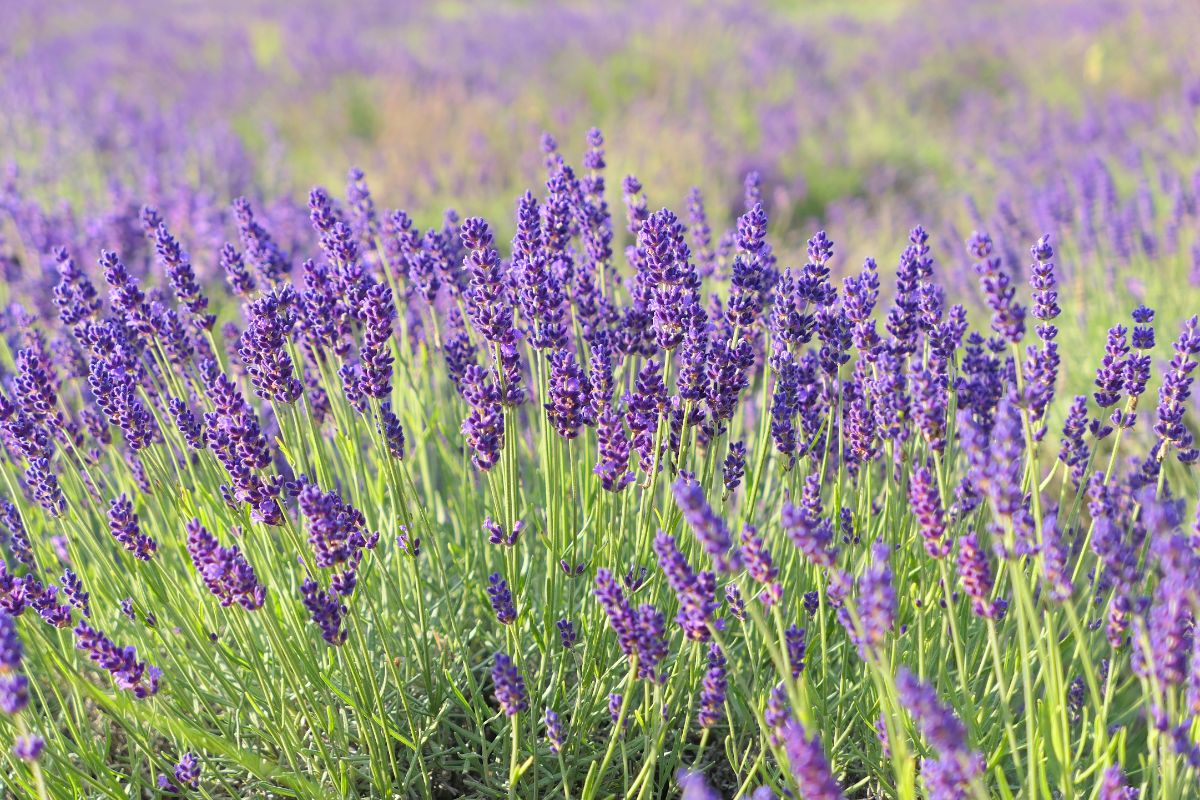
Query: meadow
x=594 y=400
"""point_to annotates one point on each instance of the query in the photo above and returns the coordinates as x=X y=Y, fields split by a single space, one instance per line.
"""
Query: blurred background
x=1070 y=117
x=877 y=107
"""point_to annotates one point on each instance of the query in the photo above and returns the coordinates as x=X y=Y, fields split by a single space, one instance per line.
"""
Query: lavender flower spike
x=509 y=686
x=809 y=767
x=709 y=528
x=14 y=687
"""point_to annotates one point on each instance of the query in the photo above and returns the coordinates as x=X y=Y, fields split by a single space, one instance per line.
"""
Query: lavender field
x=600 y=399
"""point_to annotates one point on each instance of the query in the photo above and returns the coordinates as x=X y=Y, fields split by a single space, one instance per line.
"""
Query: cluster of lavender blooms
x=654 y=493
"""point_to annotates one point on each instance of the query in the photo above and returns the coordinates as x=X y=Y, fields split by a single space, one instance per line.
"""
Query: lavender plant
x=359 y=502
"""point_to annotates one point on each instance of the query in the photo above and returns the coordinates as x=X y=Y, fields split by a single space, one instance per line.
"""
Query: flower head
x=509 y=686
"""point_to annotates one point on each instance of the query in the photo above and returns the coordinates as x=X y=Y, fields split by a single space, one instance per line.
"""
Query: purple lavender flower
x=643 y=409
x=903 y=318
x=1173 y=395
x=409 y=545
x=785 y=402
x=262 y=349
x=636 y=208
x=224 y=570
x=803 y=524
x=733 y=598
x=1074 y=450
x=613 y=451
x=710 y=529
x=734 y=466
x=1114 y=787
x=336 y=529
x=128 y=301
x=796 y=639
x=1110 y=376
x=402 y=245
x=749 y=278
x=501 y=599
x=43 y=598
x=997 y=464
x=728 y=375
x=791 y=320
x=1008 y=316
x=600 y=377
x=777 y=714
x=36 y=383
x=499 y=536
x=1045 y=288
x=1055 y=569
x=616 y=606
x=14 y=687
x=950 y=776
x=926 y=503
x=187 y=771
x=554 y=731
x=859 y=429
x=568 y=394
x=189 y=426
x=73 y=589
x=1166 y=625
x=938 y=724
x=326 y=610
x=694 y=786
x=836 y=335
x=860 y=294
x=757 y=559
x=890 y=399
x=323 y=311
x=752 y=189
x=976 y=576
x=811 y=602
x=692 y=381
x=378 y=314
x=392 y=431
x=489 y=308
x=234 y=266
x=1193 y=688
x=696 y=605
x=809 y=767
x=876 y=601
x=566 y=633
x=509 y=686
x=712 y=689
x=668 y=274
x=595 y=224
x=267 y=259
x=615 y=701
x=28 y=747
x=18 y=539
x=539 y=292
x=559 y=218
x=651 y=642
x=363 y=220
x=179 y=271
x=700 y=233
x=123 y=522
x=487 y=305
x=45 y=488
x=1109 y=540
x=74 y=295
x=128 y=673
x=484 y=424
